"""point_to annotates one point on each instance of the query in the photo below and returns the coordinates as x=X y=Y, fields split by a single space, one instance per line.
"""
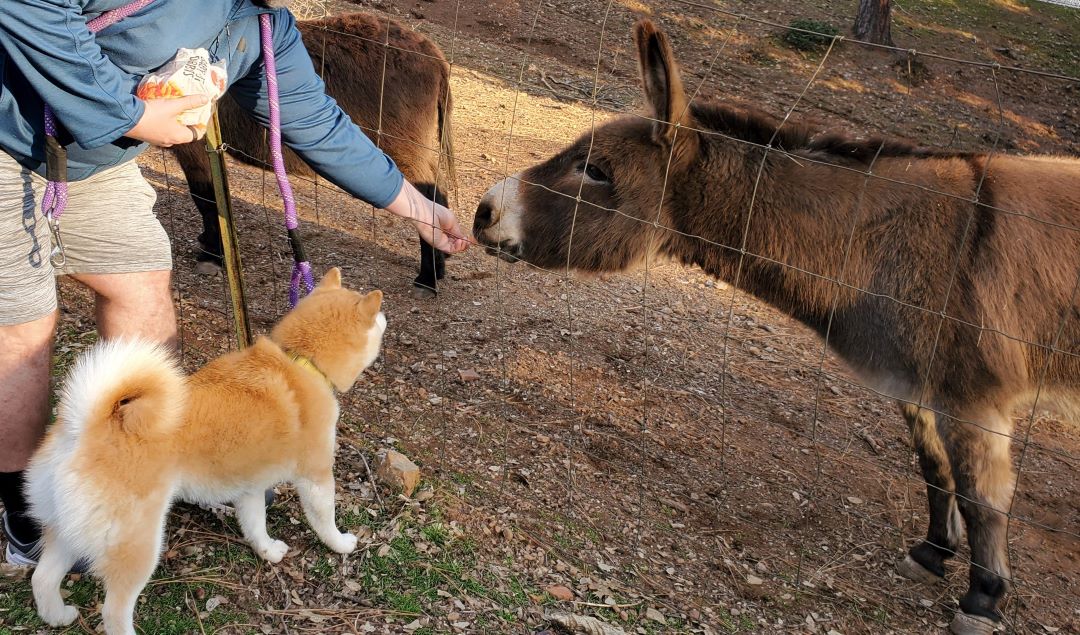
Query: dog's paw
x=345 y=543
x=273 y=552
x=64 y=617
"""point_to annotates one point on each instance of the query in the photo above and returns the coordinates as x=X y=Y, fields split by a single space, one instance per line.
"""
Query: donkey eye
x=596 y=174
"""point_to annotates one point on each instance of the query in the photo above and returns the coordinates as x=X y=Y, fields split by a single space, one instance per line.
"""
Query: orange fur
x=102 y=481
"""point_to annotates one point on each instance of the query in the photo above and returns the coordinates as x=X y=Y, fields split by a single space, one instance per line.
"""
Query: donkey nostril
x=483 y=215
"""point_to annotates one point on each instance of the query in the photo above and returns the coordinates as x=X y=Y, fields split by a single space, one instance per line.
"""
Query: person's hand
x=159 y=125
x=438 y=226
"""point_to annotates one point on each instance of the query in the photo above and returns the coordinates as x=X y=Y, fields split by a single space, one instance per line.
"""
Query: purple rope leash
x=301 y=266
x=55 y=199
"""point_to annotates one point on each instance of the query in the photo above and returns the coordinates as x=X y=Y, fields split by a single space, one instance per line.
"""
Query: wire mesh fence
x=661 y=439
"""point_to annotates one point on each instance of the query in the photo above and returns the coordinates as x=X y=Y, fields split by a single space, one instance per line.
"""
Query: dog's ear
x=372 y=302
x=332 y=279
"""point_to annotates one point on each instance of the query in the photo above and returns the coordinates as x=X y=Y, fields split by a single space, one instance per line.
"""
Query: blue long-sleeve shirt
x=47 y=54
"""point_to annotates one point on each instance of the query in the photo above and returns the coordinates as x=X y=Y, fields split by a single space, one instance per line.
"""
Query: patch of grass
x=736 y=623
x=411 y=580
x=822 y=34
x=461 y=478
x=323 y=568
x=17 y=607
x=163 y=609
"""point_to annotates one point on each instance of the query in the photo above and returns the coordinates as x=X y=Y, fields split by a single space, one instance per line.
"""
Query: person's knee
x=27 y=338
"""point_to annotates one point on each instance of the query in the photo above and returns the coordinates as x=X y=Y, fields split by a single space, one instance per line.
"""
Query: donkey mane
x=747 y=123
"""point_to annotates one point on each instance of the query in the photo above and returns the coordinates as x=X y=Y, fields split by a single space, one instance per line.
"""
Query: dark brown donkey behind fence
x=411 y=105
x=946 y=280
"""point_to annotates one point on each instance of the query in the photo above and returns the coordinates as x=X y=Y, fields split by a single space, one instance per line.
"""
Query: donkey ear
x=663 y=86
x=331 y=280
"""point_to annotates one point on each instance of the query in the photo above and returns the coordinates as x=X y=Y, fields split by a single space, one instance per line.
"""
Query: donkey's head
x=595 y=206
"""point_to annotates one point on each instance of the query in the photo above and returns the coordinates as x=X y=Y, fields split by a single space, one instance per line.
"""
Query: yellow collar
x=305 y=362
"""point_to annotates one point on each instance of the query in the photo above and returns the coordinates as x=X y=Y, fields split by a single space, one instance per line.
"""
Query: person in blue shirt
x=113 y=242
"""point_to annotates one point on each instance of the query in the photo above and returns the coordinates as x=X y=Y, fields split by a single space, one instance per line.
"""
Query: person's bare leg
x=25 y=353
x=133 y=304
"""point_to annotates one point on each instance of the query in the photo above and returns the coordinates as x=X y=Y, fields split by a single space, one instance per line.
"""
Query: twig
x=608 y=606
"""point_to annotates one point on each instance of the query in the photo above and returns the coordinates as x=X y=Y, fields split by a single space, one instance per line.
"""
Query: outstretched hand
x=159 y=125
x=437 y=224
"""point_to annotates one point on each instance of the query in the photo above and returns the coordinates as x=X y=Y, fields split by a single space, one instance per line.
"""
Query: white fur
x=66 y=501
x=506 y=212
x=59 y=497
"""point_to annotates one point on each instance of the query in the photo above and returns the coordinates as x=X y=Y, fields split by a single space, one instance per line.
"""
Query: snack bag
x=189 y=73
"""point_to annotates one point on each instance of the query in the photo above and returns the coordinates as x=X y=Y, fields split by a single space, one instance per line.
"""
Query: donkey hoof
x=207 y=268
x=967 y=624
x=422 y=292
x=914 y=571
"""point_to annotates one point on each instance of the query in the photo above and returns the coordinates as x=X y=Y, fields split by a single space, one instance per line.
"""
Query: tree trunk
x=873 y=22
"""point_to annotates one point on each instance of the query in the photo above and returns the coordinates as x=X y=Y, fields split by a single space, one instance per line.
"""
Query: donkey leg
x=432 y=261
x=982 y=468
x=193 y=161
x=925 y=562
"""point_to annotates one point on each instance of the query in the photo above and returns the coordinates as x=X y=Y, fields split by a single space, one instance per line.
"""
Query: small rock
x=395 y=470
x=468 y=374
x=560 y=593
x=654 y=615
x=835 y=390
x=854 y=500
x=753 y=580
x=214 y=602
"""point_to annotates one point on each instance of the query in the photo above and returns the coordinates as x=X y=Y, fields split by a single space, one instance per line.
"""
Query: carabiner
x=58 y=258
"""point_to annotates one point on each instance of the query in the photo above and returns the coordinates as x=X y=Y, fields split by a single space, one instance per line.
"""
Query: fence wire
x=502 y=407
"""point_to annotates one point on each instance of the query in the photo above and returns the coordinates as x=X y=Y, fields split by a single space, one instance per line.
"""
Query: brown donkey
x=411 y=105
x=946 y=280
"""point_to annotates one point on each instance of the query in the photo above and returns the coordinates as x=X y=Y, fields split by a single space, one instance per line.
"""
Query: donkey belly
x=878 y=346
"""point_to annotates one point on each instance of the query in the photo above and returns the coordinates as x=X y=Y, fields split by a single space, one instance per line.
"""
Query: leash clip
x=58 y=258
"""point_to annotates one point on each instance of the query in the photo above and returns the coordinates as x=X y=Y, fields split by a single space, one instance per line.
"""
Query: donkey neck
x=774 y=230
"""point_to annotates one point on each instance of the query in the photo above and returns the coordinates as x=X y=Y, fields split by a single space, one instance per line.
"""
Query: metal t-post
x=230 y=248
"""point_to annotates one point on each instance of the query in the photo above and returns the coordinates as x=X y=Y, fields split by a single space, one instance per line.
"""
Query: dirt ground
x=671 y=453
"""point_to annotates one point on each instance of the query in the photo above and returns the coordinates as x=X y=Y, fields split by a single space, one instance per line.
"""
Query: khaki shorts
x=109 y=226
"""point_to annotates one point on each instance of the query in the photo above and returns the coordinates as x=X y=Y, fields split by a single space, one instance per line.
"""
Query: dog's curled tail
x=127 y=386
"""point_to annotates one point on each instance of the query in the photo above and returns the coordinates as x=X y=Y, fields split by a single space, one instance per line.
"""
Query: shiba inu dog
x=133 y=433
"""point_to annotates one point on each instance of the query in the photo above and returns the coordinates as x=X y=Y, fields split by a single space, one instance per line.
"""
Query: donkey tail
x=446 y=136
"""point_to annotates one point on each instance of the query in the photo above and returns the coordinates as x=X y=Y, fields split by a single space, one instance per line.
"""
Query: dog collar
x=305 y=362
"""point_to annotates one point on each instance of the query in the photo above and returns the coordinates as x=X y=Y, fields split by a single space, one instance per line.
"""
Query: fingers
x=455 y=236
x=159 y=123
x=181 y=104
